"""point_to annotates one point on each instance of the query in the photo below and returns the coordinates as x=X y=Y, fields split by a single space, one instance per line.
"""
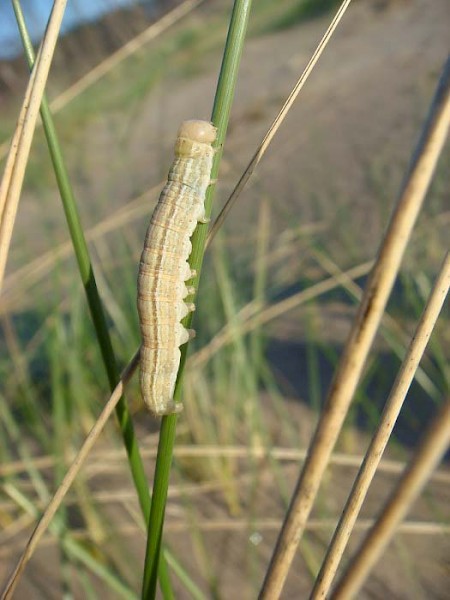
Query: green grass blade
x=220 y=117
x=88 y=279
x=87 y=276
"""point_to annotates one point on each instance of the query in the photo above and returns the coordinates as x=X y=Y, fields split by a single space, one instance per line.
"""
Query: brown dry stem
x=69 y=477
x=12 y=181
x=365 y=326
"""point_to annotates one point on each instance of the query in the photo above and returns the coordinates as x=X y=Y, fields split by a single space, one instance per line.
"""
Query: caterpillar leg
x=170 y=408
x=184 y=335
x=190 y=306
x=200 y=214
x=187 y=275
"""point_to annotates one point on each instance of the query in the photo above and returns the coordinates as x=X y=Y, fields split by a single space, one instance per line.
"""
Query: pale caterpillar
x=163 y=269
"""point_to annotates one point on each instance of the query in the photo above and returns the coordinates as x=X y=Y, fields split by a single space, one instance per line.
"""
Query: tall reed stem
x=220 y=117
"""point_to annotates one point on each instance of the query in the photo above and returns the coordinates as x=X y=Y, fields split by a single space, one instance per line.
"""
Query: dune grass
x=55 y=383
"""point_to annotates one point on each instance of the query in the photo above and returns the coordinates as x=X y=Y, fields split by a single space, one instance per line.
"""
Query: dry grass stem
x=117 y=57
x=69 y=477
x=228 y=524
x=20 y=146
x=111 y=461
x=254 y=315
x=261 y=150
x=233 y=474
x=427 y=457
x=355 y=353
x=390 y=324
x=415 y=528
x=124 y=52
x=20 y=280
x=381 y=437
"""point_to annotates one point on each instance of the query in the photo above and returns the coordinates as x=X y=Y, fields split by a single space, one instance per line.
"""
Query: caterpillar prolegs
x=164 y=270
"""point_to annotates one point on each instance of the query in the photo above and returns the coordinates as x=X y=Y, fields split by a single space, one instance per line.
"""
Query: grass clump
x=267 y=344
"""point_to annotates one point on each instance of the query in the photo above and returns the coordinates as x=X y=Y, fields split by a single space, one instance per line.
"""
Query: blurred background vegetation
x=317 y=206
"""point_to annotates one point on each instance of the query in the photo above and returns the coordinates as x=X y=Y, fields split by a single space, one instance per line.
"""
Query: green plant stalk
x=87 y=274
x=89 y=283
x=220 y=116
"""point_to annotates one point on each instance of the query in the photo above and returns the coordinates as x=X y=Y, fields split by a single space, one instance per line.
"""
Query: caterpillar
x=164 y=270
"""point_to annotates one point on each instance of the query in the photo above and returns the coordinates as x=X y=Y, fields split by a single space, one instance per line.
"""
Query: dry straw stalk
x=11 y=185
x=107 y=65
x=366 y=323
x=261 y=150
x=429 y=454
x=69 y=478
x=381 y=437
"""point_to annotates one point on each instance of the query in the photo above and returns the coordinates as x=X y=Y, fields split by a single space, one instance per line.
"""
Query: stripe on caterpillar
x=164 y=269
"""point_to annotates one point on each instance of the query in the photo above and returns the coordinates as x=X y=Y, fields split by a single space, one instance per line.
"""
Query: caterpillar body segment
x=164 y=270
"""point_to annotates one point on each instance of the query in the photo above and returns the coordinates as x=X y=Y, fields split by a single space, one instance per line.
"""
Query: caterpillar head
x=198 y=131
